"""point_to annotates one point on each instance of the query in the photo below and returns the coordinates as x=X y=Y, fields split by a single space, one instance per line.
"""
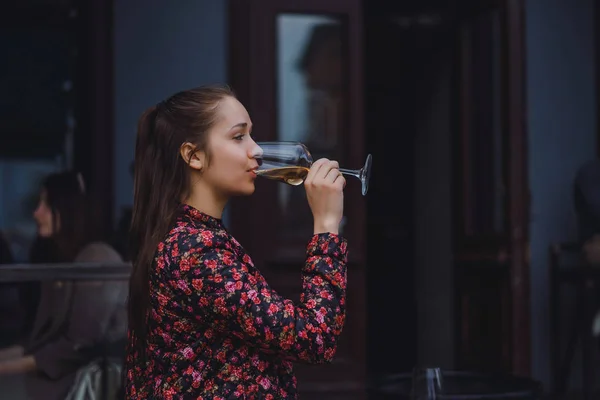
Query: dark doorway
x=403 y=49
x=394 y=57
x=477 y=46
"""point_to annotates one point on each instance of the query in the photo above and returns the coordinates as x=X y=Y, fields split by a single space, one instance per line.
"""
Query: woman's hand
x=324 y=186
x=19 y=365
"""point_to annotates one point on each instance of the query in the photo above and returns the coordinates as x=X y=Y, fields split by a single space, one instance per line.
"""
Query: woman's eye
x=238 y=137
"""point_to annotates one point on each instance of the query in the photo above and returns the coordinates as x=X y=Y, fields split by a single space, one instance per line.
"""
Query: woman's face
x=43 y=217
x=233 y=151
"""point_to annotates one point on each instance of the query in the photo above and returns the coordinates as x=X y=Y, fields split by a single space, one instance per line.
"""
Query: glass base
x=365 y=175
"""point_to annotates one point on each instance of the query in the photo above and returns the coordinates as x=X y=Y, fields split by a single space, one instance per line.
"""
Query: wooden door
x=491 y=260
x=297 y=67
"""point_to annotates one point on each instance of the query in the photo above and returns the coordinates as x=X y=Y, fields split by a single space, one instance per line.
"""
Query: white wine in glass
x=289 y=162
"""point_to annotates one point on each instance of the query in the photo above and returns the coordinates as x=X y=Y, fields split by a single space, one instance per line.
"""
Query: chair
x=568 y=267
x=101 y=379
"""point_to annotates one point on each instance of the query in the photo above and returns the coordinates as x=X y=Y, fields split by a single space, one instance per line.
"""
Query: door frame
x=94 y=134
x=253 y=53
x=252 y=44
x=518 y=186
x=506 y=253
x=597 y=70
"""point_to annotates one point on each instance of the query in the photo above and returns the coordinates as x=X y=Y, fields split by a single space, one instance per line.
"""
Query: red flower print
x=163 y=300
x=228 y=259
x=264 y=382
x=197 y=284
x=289 y=308
x=175 y=251
x=216 y=329
x=184 y=264
x=212 y=264
x=207 y=237
x=325 y=295
x=252 y=280
x=184 y=287
x=189 y=353
x=230 y=286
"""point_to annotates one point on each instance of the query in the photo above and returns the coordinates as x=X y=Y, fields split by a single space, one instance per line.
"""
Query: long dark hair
x=6 y=256
x=66 y=197
x=161 y=180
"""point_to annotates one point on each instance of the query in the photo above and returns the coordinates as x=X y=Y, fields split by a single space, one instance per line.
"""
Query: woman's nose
x=256 y=151
x=36 y=212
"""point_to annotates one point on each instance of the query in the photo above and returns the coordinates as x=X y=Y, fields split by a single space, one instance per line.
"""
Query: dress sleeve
x=228 y=290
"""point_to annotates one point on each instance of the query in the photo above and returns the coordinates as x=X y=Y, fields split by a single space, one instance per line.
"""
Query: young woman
x=72 y=317
x=204 y=324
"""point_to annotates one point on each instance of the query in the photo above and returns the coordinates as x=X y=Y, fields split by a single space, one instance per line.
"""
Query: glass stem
x=353 y=172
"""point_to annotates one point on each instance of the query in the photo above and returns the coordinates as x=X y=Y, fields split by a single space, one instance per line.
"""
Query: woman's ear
x=191 y=156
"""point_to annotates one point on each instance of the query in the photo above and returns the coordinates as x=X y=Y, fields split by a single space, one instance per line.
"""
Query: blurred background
x=470 y=251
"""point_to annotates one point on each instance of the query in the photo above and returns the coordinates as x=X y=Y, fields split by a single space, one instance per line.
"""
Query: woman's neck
x=206 y=201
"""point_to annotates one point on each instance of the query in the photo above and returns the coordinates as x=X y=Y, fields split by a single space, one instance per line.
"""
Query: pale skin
x=18 y=364
x=43 y=217
x=233 y=162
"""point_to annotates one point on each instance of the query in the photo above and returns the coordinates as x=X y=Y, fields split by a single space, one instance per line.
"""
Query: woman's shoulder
x=196 y=239
x=98 y=252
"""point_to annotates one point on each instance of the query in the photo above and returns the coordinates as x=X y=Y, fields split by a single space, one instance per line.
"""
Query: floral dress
x=216 y=330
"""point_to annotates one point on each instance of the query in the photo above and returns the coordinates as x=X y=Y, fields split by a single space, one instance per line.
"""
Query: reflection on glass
x=310 y=101
x=290 y=162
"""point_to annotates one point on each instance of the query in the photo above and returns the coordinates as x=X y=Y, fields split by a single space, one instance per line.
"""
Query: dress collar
x=199 y=216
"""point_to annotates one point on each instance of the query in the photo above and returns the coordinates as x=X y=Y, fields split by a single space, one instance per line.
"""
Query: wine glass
x=426 y=384
x=289 y=162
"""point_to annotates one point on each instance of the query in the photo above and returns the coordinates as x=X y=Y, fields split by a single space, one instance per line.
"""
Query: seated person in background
x=586 y=193
x=10 y=313
x=5 y=251
x=586 y=196
x=72 y=317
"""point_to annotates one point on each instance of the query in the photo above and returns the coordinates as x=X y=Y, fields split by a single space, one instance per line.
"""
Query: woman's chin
x=44 y=233
x=249 y=191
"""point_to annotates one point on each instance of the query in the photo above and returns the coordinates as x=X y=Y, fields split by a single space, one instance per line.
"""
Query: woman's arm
x=86 y=324
x=236 y=295
x=19 y=365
